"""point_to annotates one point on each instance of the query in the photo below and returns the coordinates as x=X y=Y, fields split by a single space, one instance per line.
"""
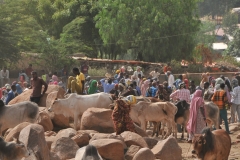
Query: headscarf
x=117 y=71
x=92 y=89
x=54 y=78
x=196 y=103
x=186 y=83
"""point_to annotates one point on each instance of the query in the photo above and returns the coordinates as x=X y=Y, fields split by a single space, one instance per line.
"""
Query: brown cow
x=212 y=145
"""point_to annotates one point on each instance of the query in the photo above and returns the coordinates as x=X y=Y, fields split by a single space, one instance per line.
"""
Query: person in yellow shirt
x=76 y=84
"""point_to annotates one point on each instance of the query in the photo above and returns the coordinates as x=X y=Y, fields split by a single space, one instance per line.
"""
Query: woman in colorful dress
x=197 y=115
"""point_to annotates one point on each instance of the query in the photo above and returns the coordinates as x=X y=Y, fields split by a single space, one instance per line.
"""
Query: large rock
x=82 y=139
x=132 y=150
x=14 y=133
x=106 y=136
x=139 y=131
x=109 y=148
x=97 y=119
x=69 y=132
x=238 y=136
x=33 y=138
x=143 y=154
x=49 y=140
x=25 y=96
x=90 y=132
x=131 y=138
x=45 y=121
x=80 y=153
x=64 y=148
x=168 y=149
x=59 y=120
x=150 y=141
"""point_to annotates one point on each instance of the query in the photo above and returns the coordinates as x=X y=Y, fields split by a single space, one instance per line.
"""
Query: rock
x=98 y=119
x=90 y=132
x=106 y=136
x=25 y=96
x=131 y=138
x=109 y=148
x=45 y=121
x=132 y=150
x=238 y=136
x=64 y=147
x=150 y=141
x=59 y=120
x=33 y=138
x=140 y=132
x=149 y=132
x=50 y=133
x=143 y=154
x=53 y=156
x=80 y=153
x=14 y=133
x=69 y=132
x=168 y=149
x=49 y=140
x=234 y=127
x=82 y=139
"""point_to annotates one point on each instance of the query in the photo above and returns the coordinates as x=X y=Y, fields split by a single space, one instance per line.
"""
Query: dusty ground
x=187 y=147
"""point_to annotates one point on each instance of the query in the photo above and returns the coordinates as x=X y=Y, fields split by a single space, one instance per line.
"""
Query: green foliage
x=230 y=22
x=234 y=46
x=161 y=31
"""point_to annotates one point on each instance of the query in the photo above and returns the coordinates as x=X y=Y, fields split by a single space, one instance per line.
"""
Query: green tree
x=230 y=22
x=160 y=30
x=234 y=46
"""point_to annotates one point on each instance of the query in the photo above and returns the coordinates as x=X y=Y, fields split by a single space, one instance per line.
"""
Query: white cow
x=143 y=112
x=12 y=115
x=75 y=105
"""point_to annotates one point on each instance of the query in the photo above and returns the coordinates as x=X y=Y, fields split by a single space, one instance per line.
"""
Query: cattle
x=212 y=114
x=12 y=115
x=14 y=150
x=212 y=145
x=75 y=105
x=155 y=112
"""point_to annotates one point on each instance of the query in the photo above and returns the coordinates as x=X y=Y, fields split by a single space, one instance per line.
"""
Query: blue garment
x=10 y=96
x=106 y=86
x=19 y=89
x=138 y=90
x=152 y=92
x=177 y=82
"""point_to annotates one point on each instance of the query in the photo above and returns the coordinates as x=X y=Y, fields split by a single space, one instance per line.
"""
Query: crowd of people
x=222 y=91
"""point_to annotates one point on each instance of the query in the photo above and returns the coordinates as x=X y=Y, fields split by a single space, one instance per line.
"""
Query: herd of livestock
x=162 y=114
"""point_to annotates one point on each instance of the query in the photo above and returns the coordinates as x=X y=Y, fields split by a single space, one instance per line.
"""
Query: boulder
x=53 y=156
x=59 y=120
x=149 y=132
x=82 y=139
x=69 y=132
x=143 y=154
x=106 y=136
x=168 y=149
x=64 y=148
x=80 y=153
x=90 y=132
x=131 y=138
x=33 y=138
x=109 y=148
x=150 y=141
x=50 y=133
x=45 y=121
x=238 y=136
x=98 y=119
x=49 y=140
x=139 y=131
x=25 y=96
x=132 y=150
x=14 y=133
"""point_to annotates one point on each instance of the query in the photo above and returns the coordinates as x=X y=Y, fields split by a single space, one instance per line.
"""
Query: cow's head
x=52 y=107
x=198 y=143
x=20 y=149
x=203 y=143
x=182 y=104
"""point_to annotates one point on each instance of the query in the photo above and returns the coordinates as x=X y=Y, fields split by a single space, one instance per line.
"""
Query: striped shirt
x=220 y=98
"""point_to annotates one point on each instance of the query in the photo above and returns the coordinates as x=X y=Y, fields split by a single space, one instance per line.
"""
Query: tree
x=230 y=22
x=161 y=30
x=234 y=46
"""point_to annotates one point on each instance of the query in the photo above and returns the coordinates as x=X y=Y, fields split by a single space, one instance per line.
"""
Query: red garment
x=186 y=83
